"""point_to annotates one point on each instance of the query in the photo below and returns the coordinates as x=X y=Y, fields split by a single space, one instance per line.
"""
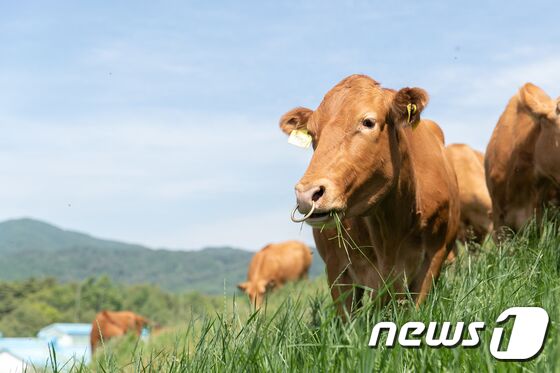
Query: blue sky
x=157 y=123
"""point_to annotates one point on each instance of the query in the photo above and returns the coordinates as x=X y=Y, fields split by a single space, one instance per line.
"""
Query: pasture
x=298 y=330
x=423 y=126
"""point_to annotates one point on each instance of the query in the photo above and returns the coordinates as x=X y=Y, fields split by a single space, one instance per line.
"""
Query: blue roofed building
x=66 y=334
x=70 y=343
x=18 y=354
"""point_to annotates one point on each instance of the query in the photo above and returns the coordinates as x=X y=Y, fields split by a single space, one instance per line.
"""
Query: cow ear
x=295 y=119
x=270 y=285
x=406 y=106
x=242 y=286
x=536 y=100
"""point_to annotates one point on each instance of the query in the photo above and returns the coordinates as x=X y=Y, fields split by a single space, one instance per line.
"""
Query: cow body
x=523 y=158
x=385 y=172
x=273 y=266
x=109 y=324
x=476 y=205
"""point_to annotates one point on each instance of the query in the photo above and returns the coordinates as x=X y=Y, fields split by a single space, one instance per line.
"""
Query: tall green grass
x=298 y=328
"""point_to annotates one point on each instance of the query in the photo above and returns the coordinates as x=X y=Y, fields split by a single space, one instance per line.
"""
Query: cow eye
x=368 y=122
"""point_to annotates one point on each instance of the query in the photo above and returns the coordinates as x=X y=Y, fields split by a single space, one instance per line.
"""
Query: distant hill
x=29 y=234
x=31 y=248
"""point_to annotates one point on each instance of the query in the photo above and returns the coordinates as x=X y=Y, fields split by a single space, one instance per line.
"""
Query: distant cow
x=385 y=172
x=523 y=158
x=476 y=205
x=109 y=324
x=273 y=266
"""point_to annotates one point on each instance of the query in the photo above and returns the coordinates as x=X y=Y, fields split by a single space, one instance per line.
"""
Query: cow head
x=140 y=323
x=546 y=112
x=355 y=132
x=256 y=290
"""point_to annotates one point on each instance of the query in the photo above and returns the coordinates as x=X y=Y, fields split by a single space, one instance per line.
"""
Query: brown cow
x=110 y=324
x=523 y=158
x=476 y=205
x=385 y=171
x=274 y=265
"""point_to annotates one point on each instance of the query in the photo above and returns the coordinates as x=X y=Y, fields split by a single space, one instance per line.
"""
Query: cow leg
x=358 y=298
x=347 y=299
x=429 y=274
x=547 y=196
x=345 y=295
x=452 y=255
x=342 y=295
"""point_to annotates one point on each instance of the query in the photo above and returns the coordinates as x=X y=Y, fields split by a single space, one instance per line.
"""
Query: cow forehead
x=347 y=103
x=352 y=90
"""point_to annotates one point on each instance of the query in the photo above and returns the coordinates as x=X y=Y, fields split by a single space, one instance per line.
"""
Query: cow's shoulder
x=436 y=181
x=427 y=152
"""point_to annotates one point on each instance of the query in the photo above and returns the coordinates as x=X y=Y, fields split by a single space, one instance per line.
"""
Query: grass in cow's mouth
x=298 y=329
x=345 y=240
x=347 y=243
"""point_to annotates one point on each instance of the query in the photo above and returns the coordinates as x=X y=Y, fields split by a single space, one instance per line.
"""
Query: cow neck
x=532 y=124
x=525 y=148
x=396 y=216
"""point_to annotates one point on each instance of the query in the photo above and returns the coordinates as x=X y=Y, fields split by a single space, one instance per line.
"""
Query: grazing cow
x=476 y=205
x=523 y=158
x=384 y=171
x=274 y=265
x=109 y=324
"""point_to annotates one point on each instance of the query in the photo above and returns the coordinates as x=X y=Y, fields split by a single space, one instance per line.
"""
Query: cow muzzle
x=310 y=203
x=305 y=217
x=312 y=217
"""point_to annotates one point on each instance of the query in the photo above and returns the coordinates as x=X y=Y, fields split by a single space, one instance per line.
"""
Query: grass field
x=298 y=330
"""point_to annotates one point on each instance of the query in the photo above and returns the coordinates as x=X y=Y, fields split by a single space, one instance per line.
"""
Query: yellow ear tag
x=411 y=110
x=300 y=138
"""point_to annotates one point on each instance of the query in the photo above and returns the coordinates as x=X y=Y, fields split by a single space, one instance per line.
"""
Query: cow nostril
x=318 y=194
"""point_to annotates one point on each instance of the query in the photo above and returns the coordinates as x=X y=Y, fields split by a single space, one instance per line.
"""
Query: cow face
x=356 y=155
x=256 y=290
x=546 y=112
x=139 y=324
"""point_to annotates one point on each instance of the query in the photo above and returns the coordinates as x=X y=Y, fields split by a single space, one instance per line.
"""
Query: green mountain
x=29 y=234
x=30 y=248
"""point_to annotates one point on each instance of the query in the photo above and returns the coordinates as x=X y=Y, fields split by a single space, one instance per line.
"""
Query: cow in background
x=523 y=158
x=476 y=205
x=110 y=324
x=273 y=266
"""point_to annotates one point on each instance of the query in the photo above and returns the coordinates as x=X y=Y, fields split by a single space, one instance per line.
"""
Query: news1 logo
x=525 y=341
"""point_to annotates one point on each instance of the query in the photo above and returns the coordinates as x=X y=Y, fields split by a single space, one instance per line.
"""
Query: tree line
x=29 y=305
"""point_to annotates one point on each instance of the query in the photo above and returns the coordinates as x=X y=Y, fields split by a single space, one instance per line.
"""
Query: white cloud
x=94 y=136
x=171 y=178
x=150 y=179
x=468 y=100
